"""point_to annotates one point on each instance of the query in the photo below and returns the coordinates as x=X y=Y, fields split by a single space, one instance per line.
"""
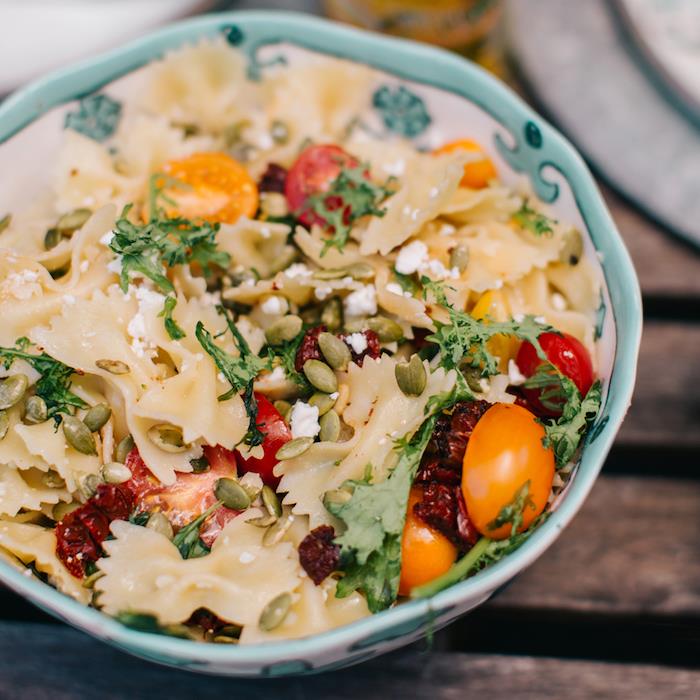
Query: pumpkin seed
x=274 y=534
x=160 y=523
x=411 y=376
x=60 y=510
x=387 y=329
x=285 y=329
x=572 y=250
x=97 y=416
x=330 y=427
x=115 y=473
x=263 y=521
x=279 y=132
x=473 y=377
x=271 y=502
x=283 y=407
x=167 y=437
x=459 y=257
x=4 y=424
x=224 y=639
x=334 y=273
x=113 y=366
x=52 y=238
x=78 y=435
x=232 y=494
x=5 y=222
x=52 y=480
x=275 y=612
x=252 y=483
x=320 y=375
x=336 y=497
x=230 y=631
x=91 y=580
x=332 y=314
x=73 y=220
x=12 y=390
x=294 y=448
x=35 y=410
x=123 y=448
x=360 y=271
x=324 y=402
x=336 y=353
x=88 y=486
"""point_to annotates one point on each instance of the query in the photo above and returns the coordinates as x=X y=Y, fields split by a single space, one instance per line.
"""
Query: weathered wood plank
x=40 y=662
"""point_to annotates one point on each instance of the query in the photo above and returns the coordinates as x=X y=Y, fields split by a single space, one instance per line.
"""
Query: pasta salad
x=264 y=371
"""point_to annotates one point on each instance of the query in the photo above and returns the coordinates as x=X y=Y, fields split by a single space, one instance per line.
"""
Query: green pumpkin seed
x=97 y=416
x=324 y=402
x=283 y=330
x=283 y=407
x=387 y=329
x=473 y=376
x=88 y=486
x=320 y=375
x=330 y=427
x=35 y=410
x=275 y=612
x=78 y=435
x=262 y=521
x=52 y=480
x=91 y=580
x=459 y=257
x=73 y=220
x=123 y=448
x=336 y=353
x=294 y=448
x=276 y=532
x=336 y=497
x=334 y=273
x=160 y=523
x=230 y=631
x=279 y=132
x=332 y=314
x=233 y=495
x=411 y=376
x=167 y=437
x=113 y=366
x=60 y=510
x=4 y=424
x=52 y=238
x=572 y=250
x=360 y=271
x=5 y=222
x=271 y=501
x=115 y=473
x=12 y=390
x=224 y=639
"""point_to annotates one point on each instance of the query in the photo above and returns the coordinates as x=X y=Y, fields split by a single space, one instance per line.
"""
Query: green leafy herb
x=407 y=282
x=171 y=325
x=374 y=517
x=143 y=622
x=532 y=220
x=55 y=381
x=287 y=353
x=139 y=517
x=187 y=539
x=512 y=513
x=350 y=196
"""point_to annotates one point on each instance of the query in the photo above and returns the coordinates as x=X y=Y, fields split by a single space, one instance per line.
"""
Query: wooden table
x=611 y=610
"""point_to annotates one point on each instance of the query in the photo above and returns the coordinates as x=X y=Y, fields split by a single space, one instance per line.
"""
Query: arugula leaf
x=187 y=539
x=350 y=196
x=407 y=282
x=55 y=381
x=374 y=517
x=171 y=326
x=534 y=221
x=254 y=436
x=512 y=513
x=287 y=353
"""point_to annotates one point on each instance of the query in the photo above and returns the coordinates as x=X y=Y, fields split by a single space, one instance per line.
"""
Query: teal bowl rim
x=423 y=64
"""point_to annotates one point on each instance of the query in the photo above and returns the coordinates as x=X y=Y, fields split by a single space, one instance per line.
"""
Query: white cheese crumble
x=84 y=266
x=22 y=285
x=246 y=557
x=361 y=302
x=274 y=306
x=358 y=342
x=149 y=301
x=411 y=257
x=68 y=299
x=322 y=291
x=107 y=238
x=515 y=376
x=303 y=420
x=395 y=288
x=297 y=270
x=277 y=375
x=115 y=265
x=558 y=302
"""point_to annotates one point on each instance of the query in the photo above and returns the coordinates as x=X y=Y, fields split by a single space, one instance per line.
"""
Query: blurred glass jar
x=459 y=25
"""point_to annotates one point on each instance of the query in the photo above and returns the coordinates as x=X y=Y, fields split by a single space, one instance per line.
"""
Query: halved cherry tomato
x=425 y=552
x=495 y=305
x=504 y=453
x=567 y=354
x=313 y=172
x=478 y=173
x=276 y=432
x=217 y=188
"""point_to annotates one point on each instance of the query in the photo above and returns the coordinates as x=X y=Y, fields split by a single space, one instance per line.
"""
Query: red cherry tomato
x=276 y=433
x=312 y=172
x=567 y=354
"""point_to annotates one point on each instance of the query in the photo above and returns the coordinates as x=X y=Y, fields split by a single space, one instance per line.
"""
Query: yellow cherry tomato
x=217 y=188
x=504 y=453
x=495 y=305
x=425 y=552
x=478 y=173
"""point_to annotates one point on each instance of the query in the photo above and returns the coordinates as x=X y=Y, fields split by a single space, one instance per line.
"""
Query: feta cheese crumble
x=303 y=420
x=361 y=302
x=411 y=257
x=358 y=342
x=274 y=306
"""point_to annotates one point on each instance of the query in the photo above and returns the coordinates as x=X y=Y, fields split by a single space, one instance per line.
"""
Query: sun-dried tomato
x=443 y=508
x=318 y=555
x=80 y=534
x=273 y=179
x=372 y=350
x=309 y=349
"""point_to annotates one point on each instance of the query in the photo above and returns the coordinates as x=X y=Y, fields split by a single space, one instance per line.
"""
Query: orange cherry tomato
x=219 y=188
x=495 y=305
x=505 y=452
x=478 y=173
x=425 y=552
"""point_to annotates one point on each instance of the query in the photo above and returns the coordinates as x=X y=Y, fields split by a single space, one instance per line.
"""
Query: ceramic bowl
x=424 y=94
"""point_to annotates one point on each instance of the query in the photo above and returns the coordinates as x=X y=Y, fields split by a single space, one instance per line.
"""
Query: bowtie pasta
x=265 y=371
